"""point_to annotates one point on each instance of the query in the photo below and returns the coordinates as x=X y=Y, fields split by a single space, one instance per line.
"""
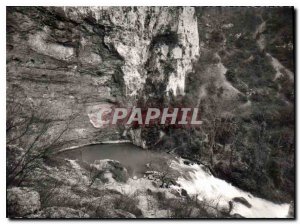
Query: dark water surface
x=132 y=157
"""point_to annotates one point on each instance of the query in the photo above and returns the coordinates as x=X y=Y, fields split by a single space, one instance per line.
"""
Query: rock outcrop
x=22 y=201
x=64 y=61
x=243 y=201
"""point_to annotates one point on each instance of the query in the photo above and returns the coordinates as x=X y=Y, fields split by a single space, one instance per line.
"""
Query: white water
x=197 y=181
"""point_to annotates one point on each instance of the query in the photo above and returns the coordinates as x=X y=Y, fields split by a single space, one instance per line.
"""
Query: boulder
x=243 y=201
x=153 y=175
x=184 y=192
x=114 y=206
x=22 y=201
x=111 y=169
x=187 y=162
x=195 y=213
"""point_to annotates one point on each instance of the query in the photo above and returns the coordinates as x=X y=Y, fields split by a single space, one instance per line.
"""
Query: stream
x=194 y=178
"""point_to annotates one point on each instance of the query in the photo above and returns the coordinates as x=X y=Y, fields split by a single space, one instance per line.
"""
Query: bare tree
x=30 y=139
x=218 y=123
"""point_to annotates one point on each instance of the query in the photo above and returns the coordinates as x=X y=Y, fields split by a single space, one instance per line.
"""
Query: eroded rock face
x=67 y=60
x=135 y=135
x=59 y=67
x=140 y=33
x=22 y=201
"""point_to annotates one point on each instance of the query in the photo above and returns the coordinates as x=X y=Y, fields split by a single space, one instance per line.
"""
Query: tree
x=31 y=137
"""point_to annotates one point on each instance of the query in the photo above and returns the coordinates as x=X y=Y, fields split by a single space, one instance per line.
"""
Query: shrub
x=128 y=204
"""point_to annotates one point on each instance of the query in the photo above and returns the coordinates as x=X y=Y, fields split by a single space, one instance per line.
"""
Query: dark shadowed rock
x=242 y=201
x=186 y=162
x=184 y=192
x=237 y=216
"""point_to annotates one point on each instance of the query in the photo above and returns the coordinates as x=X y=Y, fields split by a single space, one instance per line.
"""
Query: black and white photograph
x=150 y=112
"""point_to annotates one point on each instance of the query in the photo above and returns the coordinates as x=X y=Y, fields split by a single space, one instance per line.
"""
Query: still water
x=193 y=178
x=130 y=156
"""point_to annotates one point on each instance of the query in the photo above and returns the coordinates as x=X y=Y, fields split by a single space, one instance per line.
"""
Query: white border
x=151 y=3
x=5 y=3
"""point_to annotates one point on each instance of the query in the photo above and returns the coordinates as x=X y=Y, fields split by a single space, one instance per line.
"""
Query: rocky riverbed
x=169 y=188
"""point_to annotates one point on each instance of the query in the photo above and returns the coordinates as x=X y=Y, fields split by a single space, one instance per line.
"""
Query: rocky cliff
x=66 y=60
x=235 y=64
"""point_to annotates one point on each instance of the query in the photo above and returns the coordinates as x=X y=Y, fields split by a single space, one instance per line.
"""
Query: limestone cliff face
x=139 y=34
x=64 y=63
x=68 y=60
